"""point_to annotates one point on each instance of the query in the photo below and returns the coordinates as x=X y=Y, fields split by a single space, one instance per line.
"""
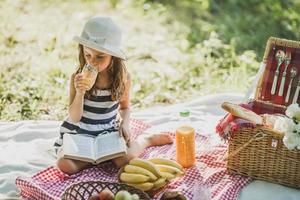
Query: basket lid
x=280 y=81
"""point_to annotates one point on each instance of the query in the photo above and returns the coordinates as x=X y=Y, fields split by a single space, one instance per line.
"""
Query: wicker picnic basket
x=259 y=152
x=85 y=189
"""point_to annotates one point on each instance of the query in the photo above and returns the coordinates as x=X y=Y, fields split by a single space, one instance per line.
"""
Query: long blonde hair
x=117 y=72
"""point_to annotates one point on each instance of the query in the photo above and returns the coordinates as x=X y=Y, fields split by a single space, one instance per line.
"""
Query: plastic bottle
x=184 y=117
x=185 y=140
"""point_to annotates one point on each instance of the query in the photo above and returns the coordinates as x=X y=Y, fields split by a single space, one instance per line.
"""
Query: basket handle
x=258 y=136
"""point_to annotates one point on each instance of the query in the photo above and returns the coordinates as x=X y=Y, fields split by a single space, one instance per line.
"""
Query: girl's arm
x=76 y=99
x=124 y=110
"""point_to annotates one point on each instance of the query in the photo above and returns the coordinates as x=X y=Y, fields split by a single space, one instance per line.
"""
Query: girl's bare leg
x=143 y=141
x=69 y=166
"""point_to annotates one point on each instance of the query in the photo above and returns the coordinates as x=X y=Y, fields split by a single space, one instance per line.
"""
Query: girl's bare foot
x=158 y=139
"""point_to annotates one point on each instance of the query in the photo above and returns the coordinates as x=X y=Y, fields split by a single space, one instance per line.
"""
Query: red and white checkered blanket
x=209 y=171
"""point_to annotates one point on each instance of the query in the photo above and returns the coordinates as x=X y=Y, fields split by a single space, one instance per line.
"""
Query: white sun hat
x=102 y=34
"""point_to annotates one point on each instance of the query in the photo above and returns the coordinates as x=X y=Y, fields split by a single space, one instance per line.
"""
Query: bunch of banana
x=150 y=174
x=168 y=168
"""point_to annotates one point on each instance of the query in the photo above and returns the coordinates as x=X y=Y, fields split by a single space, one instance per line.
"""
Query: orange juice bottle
x=185 y=142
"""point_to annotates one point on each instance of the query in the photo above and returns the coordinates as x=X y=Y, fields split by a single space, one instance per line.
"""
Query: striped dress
x=99 y=117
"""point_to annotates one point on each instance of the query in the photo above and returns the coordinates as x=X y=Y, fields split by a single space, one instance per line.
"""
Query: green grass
x=176 y=52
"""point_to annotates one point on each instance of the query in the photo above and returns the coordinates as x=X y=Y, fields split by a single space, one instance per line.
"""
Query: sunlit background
x=178 y=49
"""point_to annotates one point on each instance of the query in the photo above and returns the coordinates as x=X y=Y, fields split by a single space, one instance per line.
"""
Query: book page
x=78 y=145
x=108 y=144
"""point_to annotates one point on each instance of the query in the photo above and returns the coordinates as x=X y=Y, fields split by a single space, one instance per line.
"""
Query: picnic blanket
x=208 y=178
x=27 y=146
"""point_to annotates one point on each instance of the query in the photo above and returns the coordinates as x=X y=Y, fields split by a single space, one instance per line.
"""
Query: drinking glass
x=89 y=74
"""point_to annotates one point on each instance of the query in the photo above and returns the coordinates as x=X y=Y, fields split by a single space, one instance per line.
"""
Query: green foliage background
x=178 y=49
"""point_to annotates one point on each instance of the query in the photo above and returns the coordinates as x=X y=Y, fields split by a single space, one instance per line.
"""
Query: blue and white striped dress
x=99 y=117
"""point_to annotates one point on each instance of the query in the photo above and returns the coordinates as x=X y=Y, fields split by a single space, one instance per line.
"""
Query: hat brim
x=114 y=52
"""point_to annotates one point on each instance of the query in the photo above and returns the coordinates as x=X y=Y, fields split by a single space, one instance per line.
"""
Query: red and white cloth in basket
x=208 y=176
x=229 y=125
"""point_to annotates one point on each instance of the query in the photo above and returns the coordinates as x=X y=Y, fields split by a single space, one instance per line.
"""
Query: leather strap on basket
x=258 y=136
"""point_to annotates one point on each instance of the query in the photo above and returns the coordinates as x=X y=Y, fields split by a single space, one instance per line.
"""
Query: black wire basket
x=84 y=190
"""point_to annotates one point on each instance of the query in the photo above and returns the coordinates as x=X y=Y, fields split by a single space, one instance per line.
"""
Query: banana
x=139 y=170
x=159 y=183
x=146 y=165
x=142 y=186
x=164 y=161
x=167 y=175
x=170 y=169
x=133 y=178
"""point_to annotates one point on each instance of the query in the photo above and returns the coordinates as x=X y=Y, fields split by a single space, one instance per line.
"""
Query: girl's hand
x=79 y=84
x=124 y=131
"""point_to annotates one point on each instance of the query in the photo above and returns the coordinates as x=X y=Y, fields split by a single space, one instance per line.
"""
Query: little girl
x=94 y=110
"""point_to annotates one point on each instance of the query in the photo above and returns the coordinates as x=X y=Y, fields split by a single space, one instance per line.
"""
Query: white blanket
x=26 y=146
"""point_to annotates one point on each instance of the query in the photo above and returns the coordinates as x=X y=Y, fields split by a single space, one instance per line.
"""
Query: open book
x=93 y=149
